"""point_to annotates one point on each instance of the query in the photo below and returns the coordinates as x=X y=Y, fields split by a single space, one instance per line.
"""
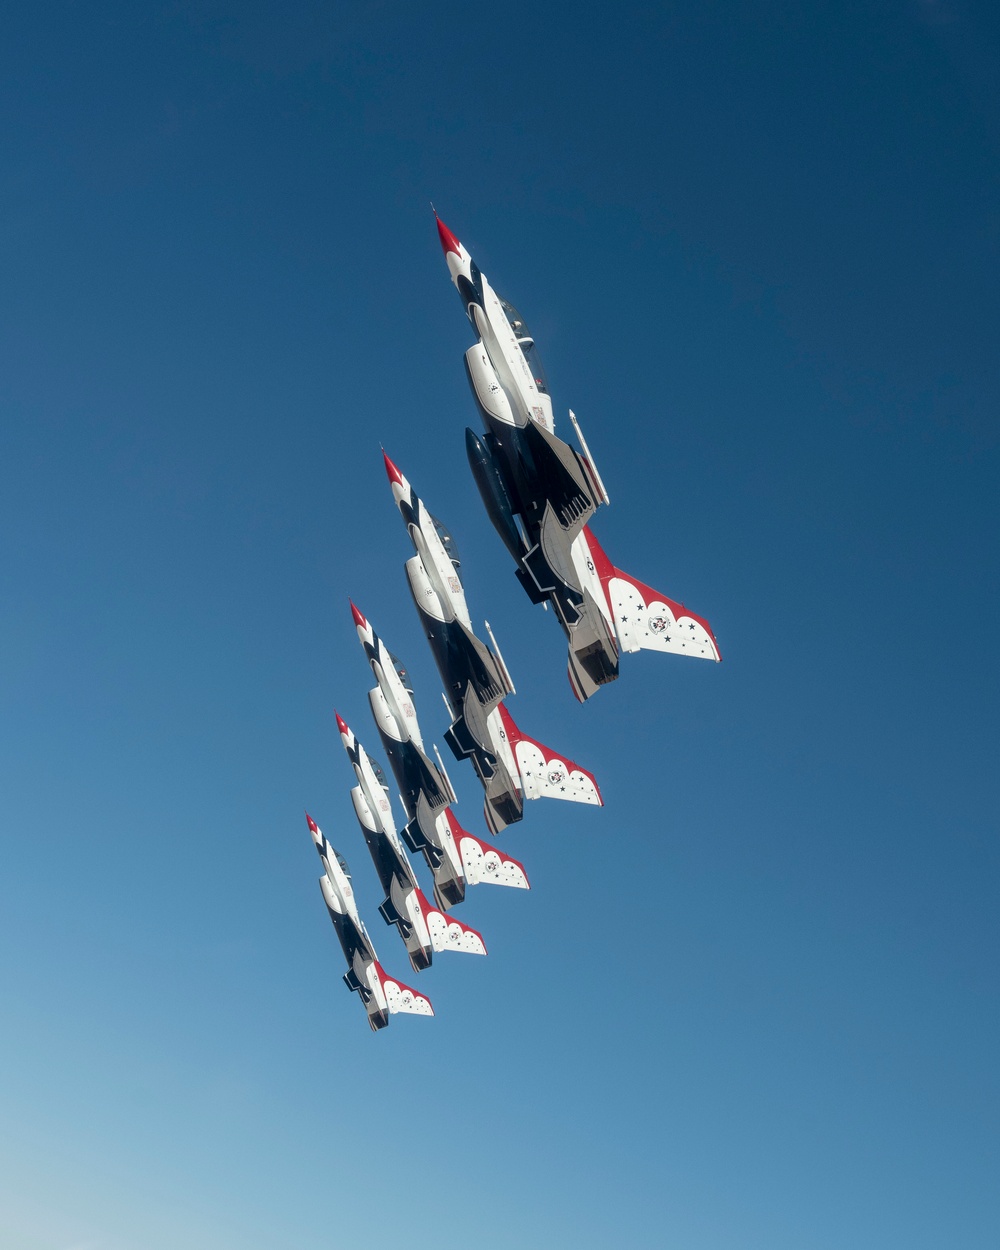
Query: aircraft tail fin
x=485 y=863
x=645 y=619
x=545 y=773
x=449 y=934
x=400 y=997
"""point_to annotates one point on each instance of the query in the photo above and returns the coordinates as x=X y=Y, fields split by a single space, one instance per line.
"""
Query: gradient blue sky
x=752 y=1003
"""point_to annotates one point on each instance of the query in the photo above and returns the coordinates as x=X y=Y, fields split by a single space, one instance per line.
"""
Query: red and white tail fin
x=647 y=620
x=447 y=933
x=544 y=773
x=400 y=997
x=484 y=863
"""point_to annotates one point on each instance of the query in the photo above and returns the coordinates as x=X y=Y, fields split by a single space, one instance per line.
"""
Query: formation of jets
x=455 y=857
x=540 y=494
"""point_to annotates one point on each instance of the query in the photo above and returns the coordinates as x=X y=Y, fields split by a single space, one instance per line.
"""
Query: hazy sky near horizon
x=751 y=1004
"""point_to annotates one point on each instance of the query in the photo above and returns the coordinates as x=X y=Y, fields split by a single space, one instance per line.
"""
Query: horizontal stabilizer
x=546 y=774
x=400 y=997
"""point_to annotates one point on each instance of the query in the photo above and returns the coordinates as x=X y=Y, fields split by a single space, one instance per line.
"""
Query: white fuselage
x=432 y=571
x=362 y=962
x=527 y=402
x=512 y=369
x=371 y=804
x=338 y=894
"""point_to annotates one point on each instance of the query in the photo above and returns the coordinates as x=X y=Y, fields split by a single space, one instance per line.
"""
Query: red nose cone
x=311 y=823
x=341 y=725
x=448 y=240
x=358 y=618
x=393 y=472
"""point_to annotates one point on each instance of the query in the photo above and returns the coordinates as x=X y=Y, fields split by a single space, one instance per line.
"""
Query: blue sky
x=751 y=1002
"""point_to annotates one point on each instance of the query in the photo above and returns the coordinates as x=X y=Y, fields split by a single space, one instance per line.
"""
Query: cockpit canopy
x=379 y=774
x=343 y=864
x=401 y=672
x=448 y=543
x=526 y=344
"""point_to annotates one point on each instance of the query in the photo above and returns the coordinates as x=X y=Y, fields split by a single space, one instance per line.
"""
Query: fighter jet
x=423 y=928
x=455 y=857
x=540 y=493
x=511 y=766
x=381 y=994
